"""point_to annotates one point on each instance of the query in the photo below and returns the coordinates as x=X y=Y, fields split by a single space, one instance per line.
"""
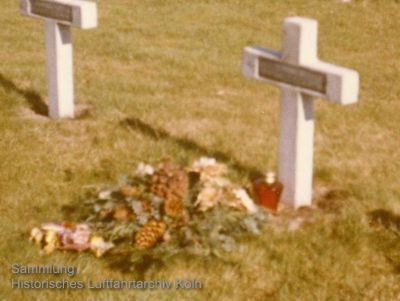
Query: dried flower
x=208 y=168
x=144 y=169
x=208 y=197
x=203 y=162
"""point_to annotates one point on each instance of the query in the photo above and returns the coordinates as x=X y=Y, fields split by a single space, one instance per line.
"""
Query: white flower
x=203 y=162
x=144 y=169
x=208 y=168
x=104 y=194
x=52 y=227
x=36 y=235
x=208 y=197
x=81 y=234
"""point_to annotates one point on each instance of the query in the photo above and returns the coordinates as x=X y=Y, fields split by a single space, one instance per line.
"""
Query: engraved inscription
x=53 y=10
x=292 y=75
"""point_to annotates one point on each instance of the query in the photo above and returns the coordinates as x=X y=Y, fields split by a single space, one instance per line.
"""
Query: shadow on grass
x=35 y=101
x=385 y=219
x=330 y=199
x=389 y=221
x=189 y=145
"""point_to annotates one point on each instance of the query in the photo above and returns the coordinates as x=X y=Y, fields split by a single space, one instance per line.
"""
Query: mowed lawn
x=163 y=78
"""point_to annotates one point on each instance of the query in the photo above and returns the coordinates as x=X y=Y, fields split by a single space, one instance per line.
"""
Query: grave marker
x=60 y=16
x=302 y=77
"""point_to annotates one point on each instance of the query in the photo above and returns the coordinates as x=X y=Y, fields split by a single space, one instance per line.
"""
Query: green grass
x=162 y=78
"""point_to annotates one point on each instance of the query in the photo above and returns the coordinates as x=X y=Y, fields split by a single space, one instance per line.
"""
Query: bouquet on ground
x=162 y=211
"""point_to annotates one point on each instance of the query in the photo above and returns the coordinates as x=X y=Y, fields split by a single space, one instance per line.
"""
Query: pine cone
x=149 y=234
x=173 y=207
x=171 y=184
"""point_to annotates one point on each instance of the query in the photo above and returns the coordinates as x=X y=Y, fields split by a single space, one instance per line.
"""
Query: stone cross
x=60 y=16
x=302 y=77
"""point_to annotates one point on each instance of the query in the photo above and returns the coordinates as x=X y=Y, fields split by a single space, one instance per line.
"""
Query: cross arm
x=77 y=13
x=251 y=62
x=334 y=83
x=342 y=83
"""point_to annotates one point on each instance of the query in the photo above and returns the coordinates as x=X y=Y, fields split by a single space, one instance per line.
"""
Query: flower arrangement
x=159 y=212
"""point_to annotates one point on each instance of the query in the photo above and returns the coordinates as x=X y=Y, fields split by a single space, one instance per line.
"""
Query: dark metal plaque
x=292 y=75
x=53 y=10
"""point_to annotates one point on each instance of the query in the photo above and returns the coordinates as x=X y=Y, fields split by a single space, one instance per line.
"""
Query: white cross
x=301 y=76
x=60 y=16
